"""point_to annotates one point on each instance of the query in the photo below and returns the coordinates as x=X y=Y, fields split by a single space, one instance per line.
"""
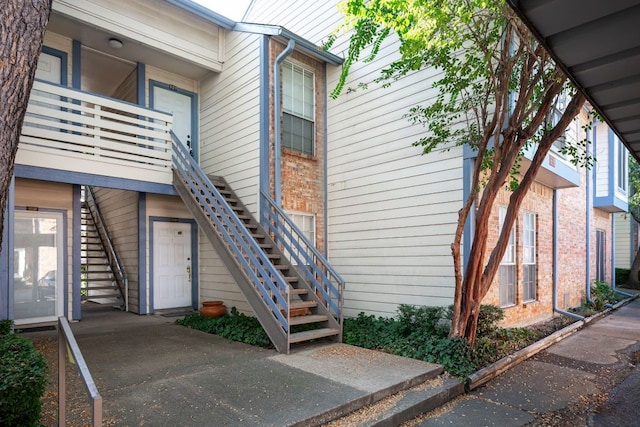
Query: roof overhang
x=285 y=35
x=597 y=43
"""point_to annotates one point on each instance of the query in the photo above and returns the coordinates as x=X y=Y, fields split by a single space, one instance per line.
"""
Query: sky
x=232 y=9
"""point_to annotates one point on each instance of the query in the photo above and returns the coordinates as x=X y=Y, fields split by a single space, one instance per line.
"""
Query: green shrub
x=622 y=276
x=23 y=377
x=6 y=327
x=454 y=354
x=488 y=319
x=412 y=318
x=601 y=295
x=234 y=326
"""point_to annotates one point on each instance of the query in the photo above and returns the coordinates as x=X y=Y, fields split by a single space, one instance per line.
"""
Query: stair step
x=87 y=297
x=106 y=279
x=302 y=304
x=313 y=334
x=313 y=318
x=298 y=291
x=99 y=288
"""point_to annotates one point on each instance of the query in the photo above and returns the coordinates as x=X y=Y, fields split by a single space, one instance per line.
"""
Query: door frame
x=64 y=291
x=194 y=110
x=194 y=258
x=63 y=62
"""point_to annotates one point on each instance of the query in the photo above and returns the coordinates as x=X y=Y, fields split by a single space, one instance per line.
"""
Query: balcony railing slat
x=64 y=124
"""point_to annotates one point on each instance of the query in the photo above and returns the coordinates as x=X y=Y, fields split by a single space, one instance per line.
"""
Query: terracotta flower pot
x=213 y=309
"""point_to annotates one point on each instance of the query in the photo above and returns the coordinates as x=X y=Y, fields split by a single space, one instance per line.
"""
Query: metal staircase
x=103 y=279
x=294 y=292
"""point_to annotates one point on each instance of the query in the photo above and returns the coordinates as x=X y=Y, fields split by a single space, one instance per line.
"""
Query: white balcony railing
x=71 y=130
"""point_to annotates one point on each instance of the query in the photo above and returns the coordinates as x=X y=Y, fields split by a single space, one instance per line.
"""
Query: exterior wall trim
x=142 y=254
x=6 y=267
x=76 y=71
x=68 y=177
x=76 y=254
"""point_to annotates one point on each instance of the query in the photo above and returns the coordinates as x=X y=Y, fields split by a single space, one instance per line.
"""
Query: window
x=601 y=248
x=307 y=224
x=554 y=117
x=298 y=104
x=529 y=257
x=507 y=269
x=622 y=167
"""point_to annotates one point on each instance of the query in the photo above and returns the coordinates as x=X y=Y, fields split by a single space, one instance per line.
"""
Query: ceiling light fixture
x=115 y=43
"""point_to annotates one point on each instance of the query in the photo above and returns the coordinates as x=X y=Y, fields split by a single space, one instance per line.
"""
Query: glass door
x=38 y=266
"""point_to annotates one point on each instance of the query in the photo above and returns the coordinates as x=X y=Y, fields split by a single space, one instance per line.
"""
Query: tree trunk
x=22 y=27
x=632 y=281
x=480 y=274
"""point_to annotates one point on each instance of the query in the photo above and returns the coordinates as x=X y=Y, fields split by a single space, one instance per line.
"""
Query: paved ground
x=151 y=371
x=564 y=385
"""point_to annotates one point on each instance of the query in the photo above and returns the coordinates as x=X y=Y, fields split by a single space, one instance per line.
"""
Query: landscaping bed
x=416 y=332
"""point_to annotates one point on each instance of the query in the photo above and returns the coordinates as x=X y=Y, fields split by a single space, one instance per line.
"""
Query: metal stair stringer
x=264 y=314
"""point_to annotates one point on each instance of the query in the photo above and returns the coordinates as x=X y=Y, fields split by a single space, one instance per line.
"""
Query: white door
x=179 y=105
x=49 y=68
x=171 y=265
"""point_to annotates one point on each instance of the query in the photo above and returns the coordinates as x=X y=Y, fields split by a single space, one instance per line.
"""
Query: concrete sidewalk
x=151 y=371
x=549 y=388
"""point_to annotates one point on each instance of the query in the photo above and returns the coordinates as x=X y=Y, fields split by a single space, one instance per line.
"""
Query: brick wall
x=539 y=201
x=572 y=251
x=303 y=180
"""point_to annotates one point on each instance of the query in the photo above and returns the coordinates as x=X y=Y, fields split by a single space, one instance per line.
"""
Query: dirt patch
x=78 y=408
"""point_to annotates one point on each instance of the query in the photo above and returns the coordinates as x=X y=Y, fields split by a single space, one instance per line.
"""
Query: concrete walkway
x=151 y=371
x=546 y=388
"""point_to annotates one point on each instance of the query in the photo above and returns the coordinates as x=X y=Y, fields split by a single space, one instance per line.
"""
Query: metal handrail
x=103 y=233
x=66 y=340
x=253 y=261
x=320 y=273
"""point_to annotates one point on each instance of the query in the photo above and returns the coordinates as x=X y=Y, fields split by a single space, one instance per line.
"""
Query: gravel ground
x=77 y=401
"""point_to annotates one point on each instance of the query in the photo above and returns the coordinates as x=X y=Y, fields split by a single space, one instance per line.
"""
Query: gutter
x=277 y=118
x=556 y=309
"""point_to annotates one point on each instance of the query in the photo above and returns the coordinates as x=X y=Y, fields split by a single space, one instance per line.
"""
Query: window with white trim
x=622 y=166
x=529 y=278
x=298 y=105
x=307 y=224
x=601 y=247
x=507 y=270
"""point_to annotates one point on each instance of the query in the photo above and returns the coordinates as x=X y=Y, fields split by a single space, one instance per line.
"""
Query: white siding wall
x=50 y=195
x=229 y=147
x=119 y=209
x=601 y=153
x=623 y=240
x=230 y=132
x=392 y=212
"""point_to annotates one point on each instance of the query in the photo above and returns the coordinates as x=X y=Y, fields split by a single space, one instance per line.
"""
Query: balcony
x=73 y=131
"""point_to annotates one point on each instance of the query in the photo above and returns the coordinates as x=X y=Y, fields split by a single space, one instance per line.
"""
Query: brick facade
x=572 y=251
x=303 y=176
